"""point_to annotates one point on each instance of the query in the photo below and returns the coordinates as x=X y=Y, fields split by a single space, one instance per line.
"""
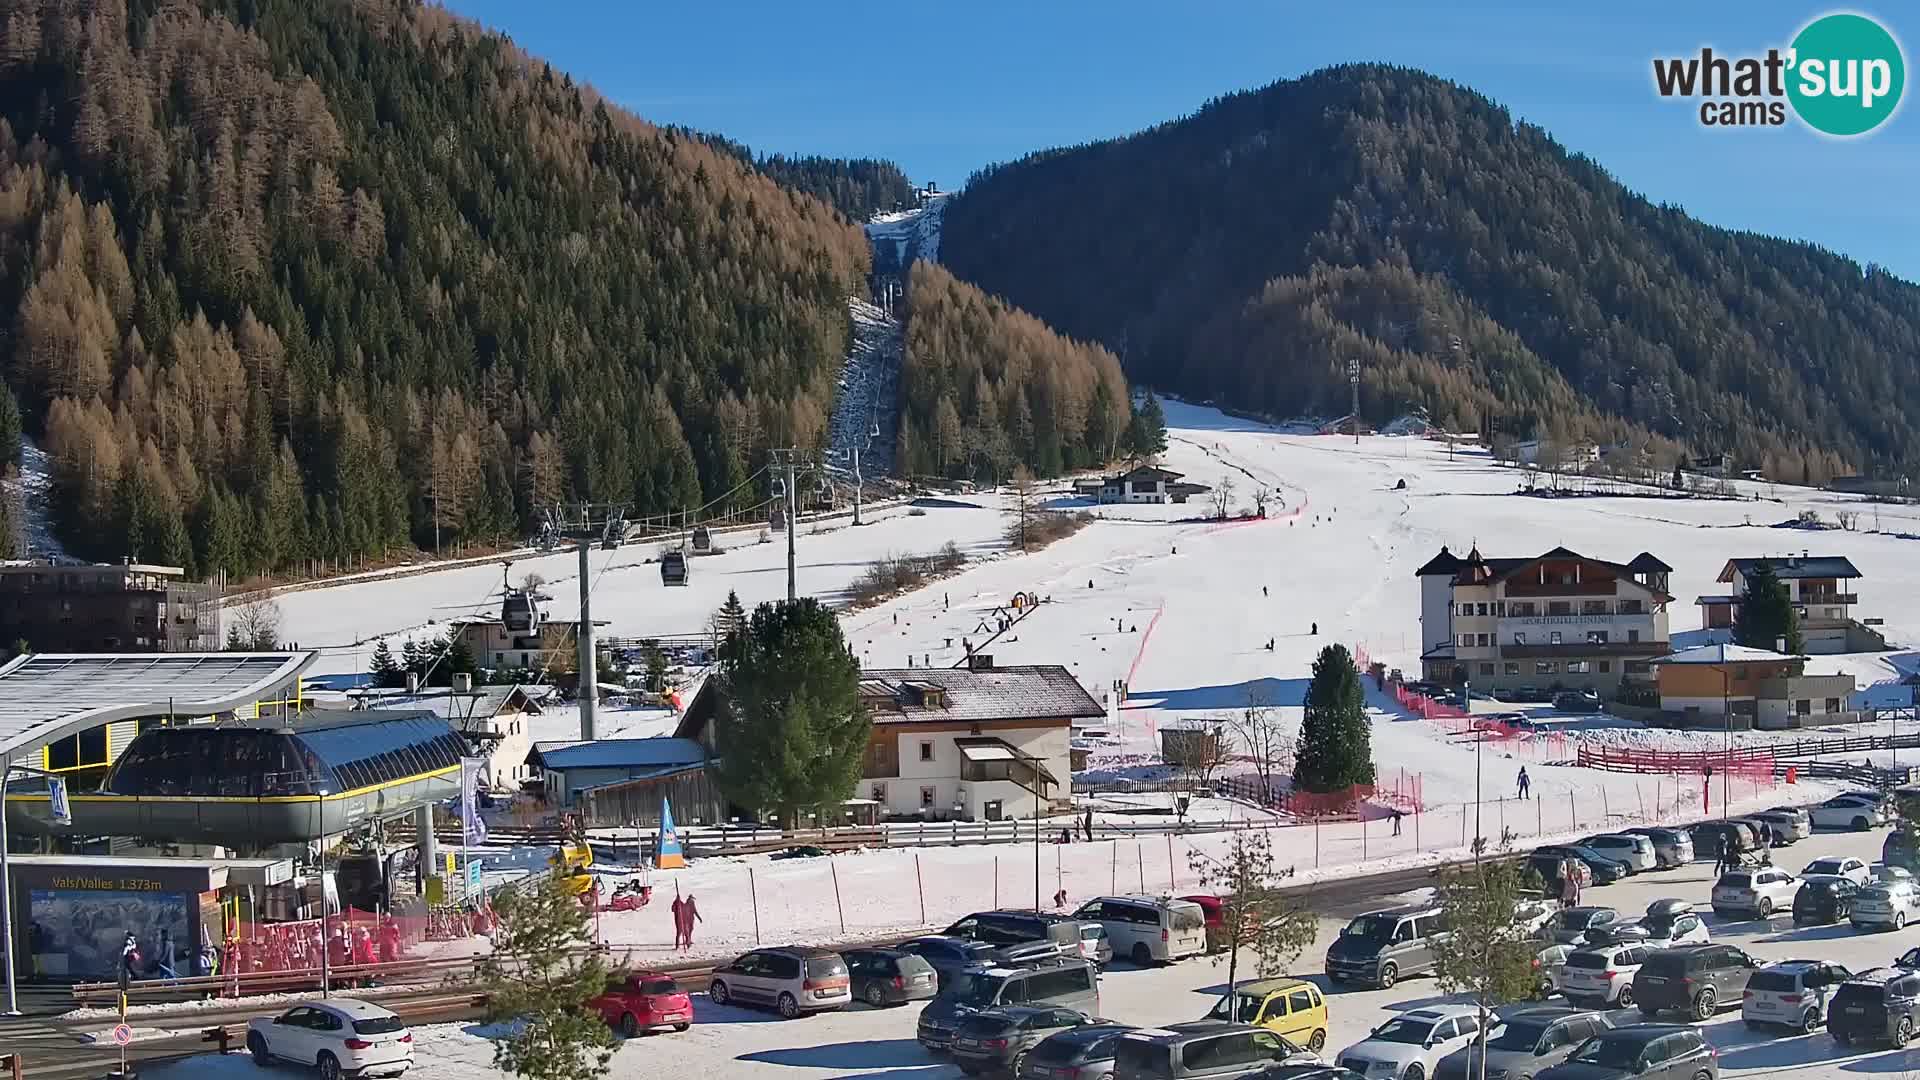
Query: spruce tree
x=1336 y=738
x=458 y=660
x=1766 y=613
x=412 y=660
x=386 y=671
x=1147 y=430
x=791 y=731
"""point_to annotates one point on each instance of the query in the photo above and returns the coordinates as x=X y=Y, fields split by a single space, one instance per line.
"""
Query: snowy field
x=870 y=1043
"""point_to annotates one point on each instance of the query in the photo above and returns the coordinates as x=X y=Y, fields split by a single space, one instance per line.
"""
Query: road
x=863 y=1042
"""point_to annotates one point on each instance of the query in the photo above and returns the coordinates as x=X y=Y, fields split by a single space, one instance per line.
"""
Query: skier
x=1060 y=898
x=1525 y=784
x=1316 y=629
x=1263 y=590
x=690 y=914
x=1397 y=815
x=1089 y=824
x=679 y=922
x=163 y=960
x=130 y=958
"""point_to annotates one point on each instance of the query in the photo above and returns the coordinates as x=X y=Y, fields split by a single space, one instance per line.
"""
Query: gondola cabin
x=519 y=613
x=673 y=567
x=702 y=540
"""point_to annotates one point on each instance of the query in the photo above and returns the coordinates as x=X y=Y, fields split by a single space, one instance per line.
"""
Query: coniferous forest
x=985 y=386
x=315 y=279
x=1472 y=265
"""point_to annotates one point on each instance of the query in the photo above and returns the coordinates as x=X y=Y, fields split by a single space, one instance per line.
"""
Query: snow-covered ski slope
x=915 y=232
x=1176 y=607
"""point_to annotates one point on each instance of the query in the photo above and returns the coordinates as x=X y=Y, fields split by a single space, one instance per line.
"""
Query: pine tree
x=458 y=660
x=1147 y=431
x=791 y=723
x=413 y=660
x=1336 y=738
x=1767 y=615
x=386 y=672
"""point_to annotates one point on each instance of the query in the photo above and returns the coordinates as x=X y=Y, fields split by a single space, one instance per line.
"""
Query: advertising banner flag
x=669 y=856
x=60 y=808
x=472 y=829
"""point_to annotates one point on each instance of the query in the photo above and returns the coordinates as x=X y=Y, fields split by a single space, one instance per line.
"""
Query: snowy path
x=869 y=395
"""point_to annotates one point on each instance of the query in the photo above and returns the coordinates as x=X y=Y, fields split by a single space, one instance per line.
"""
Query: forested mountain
x=857 y=187
x=306 y=278
x=1474 y=266
x=985 y=386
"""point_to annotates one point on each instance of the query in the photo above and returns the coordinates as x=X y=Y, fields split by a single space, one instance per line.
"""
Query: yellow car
x=1290 y=1008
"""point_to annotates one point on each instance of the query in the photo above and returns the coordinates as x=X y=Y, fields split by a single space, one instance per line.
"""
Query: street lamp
x=6 y=882
x=1467 y=698
x=1726 y=721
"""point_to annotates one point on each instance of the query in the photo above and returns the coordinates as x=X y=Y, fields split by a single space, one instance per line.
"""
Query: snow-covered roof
x=616 y=754
x=1722 y=654
x=1795 y=566
x=1037 y=692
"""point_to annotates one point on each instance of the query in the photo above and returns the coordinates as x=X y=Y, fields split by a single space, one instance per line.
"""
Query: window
x=926 y=796
x=1480 y=609
x=1632 y=607
x=1833 y=704
x=880 y=793
x=1596 y=637
x=1553 y=638
x=1299 y=1001
x=1544 y=667
x=1579 y=667
x=926 y=750
x=1524 y=609
x=1636 y=667
x=1633 y=635
x=1512 y=667
x=1803 y=707
x=1593 y=607
x=1606 y=666
x=1466 y=641
x=1482 y=640
x=1466 y=609
x=1559 y=607
x=1487 y=669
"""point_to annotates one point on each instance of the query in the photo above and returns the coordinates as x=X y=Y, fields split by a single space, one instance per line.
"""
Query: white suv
x=1601 y=976
x=1886 y=905
x=1761 y=892
x=1855 y=812
x=1410 y=1044
x=1635 y=851
x=339 y=1036
x=1793 y=994
x=1854 y=870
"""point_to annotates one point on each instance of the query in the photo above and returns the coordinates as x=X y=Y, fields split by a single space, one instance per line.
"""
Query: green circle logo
x=1847 y=75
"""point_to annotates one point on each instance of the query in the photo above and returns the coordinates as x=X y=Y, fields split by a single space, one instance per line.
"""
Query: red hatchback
x=642 y=1002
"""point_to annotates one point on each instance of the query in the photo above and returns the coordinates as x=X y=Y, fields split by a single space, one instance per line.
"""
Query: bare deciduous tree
x=255 y=627
x=1223 y=498
x=1262 y=495
x=1255 y=914
x=1259 y=731
x=1022 y=509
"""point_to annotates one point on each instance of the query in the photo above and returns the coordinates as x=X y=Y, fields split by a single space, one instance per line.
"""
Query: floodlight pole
x=587 y=690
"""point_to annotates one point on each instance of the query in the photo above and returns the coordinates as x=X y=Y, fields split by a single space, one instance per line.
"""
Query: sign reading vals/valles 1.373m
x=1842 y=75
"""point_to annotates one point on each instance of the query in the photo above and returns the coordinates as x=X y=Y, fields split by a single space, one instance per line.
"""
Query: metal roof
x=1038 y=692
x=1795 y=566
x=617 y=754
x=1722 y=654
x=51 y=696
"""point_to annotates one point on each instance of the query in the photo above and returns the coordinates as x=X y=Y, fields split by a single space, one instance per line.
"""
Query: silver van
x=1149 y=929
x=1068 y=983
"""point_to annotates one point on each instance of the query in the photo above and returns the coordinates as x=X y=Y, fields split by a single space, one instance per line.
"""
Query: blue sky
x=944 y=89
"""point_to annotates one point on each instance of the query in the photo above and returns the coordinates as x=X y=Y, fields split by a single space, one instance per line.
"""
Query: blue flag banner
x=669 y=856
x=473 y=830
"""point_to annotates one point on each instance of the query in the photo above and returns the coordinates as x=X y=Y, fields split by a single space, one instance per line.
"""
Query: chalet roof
x=1722 y=654
x=1144 y=472
x=1647 y=563
x=1496 y=569
x=1037 y=692
x=616 y=754
x=1795 y=566
x=1444 y=563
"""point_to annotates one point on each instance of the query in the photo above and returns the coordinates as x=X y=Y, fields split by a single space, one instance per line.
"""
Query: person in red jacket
x=689 y=914
x=389 y=940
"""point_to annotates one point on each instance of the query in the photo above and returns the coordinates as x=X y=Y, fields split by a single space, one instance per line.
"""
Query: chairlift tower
x=787 y=465
x=584 y=525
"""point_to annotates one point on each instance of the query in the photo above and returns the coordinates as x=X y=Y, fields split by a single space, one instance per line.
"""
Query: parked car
x=1898 y=850
x=1548 y=964
x=1786 y=828
x=1666 y=923
x=948 y=956
x=644 y=1001
x=1712 y=837
x=1882 y=872
x=1849 y=811
x=1570 y=926
x=1886 y=905
x=1148 y=929
x=1909 y=959
x=1068 y=983
x=1601 y=976
x=1606 y=870
x=1382 y=947
x=1095 y=945
x=1080 y=1053
x=1641 y=1052
x=1535 y=912
x=1577 y=701
x=1760 y=892
x=1671 y=847
x=1877 y=1006
x=995 y=1040
x=338 y=1036
x=1854 y=870
x=1205 y=1049
x=890 y=976
x=793 y=980
x=1823 y=898
x=1548 y=869
x=1635 y=851
x=1798 y=813
x=1793 y=993
x=1213 y=908
x=1693 y=979
x=1289 y=1007
x=1409 y=1045
x=1305 y=1072
x=1000 y=928
x=1530 y=1042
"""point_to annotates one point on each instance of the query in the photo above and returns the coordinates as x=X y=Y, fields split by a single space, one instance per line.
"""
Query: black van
x=1878 y=1006
x=1068 y=983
